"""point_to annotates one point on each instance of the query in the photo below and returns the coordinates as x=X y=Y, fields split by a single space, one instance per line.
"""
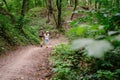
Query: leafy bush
x=96 y=68
x=64 y=62
x=103 y=28
x=100 y=68
x=76 y=32
x=11 y=35
x=32 y=34
x=86 y=31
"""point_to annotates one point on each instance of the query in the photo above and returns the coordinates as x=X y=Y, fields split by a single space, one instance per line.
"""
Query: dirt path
x=27 y=63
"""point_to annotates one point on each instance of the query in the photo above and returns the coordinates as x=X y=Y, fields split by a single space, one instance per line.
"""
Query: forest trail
x=28 y=63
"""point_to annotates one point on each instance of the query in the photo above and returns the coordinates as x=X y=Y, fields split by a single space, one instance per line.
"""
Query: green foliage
x=109 y=17
x=67 y=64
x=86 y=31
x=38 y=18
x=63 y=62
x=32 y=34
x=76 y=32
x=10 y=34
x=3 y=45
x=100 y=20
x=98 y=68
x=34 y=12
x=104 y=75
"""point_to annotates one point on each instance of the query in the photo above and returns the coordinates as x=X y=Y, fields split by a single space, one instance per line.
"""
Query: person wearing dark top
x=41 y=36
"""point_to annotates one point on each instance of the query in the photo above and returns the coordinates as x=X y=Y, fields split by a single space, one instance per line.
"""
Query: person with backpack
x=41 y=36
x=46 y=36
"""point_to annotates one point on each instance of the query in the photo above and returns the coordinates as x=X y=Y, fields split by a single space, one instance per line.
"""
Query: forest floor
x=28 y=63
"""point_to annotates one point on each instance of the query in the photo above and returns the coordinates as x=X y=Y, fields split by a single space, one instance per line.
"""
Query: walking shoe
x=41 y=45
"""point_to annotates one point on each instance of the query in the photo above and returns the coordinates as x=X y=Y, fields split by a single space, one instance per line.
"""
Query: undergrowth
x=10 y=34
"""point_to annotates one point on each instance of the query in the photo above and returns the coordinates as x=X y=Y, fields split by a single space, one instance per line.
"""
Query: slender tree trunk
x=100 y=4
x=50 y=6
x=84 y=2
x=21 y=20
x=5 y=2
x=48 y=15
x=28 y=5
x=76 y=1
x=50 y=11
x=35 y=3
x=117 y=3
x=95 y=4
x=54 y=18
x=44 y=1
x=68 y=1
x=112 y=3
x=90 y=4
x=59 y=21
x=23 y=7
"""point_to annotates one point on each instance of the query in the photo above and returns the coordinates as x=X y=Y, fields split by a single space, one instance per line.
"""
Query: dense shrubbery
x=86 y=31
x=82 y=66
x=65 y=63
x=10 y=34
x=91 y=67
x=13 y=37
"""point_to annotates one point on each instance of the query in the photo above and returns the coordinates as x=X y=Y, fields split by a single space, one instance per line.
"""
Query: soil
x=28 y=63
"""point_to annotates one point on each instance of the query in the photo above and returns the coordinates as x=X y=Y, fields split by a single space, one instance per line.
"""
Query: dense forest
x=92 y=28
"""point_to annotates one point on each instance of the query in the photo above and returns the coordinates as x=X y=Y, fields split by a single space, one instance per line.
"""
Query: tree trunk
x=23 y=7
x=35 y=3
x=59 y=21
x=90 y=4
x=50 y=11
x=76 y=1
x=71 y=3
x=117 y=3
x=68 y=1
x=21 y=20
x=84 y=2
x=98 y=5
x=95 y=4
x=28 y=5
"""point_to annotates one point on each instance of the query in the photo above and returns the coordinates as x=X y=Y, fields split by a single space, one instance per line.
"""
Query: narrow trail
x=28 y=63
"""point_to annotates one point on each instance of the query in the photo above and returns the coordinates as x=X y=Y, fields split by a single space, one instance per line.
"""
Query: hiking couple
x=44 y=37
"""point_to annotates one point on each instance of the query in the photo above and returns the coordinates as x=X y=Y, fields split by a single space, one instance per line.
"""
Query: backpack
x=41 y=33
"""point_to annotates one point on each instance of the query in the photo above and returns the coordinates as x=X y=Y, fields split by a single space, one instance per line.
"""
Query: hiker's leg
x=41 y=41
x=46 y=42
